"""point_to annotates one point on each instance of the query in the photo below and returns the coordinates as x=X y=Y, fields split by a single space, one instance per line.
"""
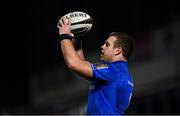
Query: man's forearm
x=78 y=47
x=69 y=53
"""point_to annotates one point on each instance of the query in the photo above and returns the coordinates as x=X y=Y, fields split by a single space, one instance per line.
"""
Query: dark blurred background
x=35 y=80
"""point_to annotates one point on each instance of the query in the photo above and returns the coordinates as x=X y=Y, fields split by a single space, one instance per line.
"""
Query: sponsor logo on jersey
x=101 y=65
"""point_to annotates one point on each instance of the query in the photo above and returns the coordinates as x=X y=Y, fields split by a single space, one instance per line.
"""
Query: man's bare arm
x=72 y=59
x=78 y=47
x=74 y=62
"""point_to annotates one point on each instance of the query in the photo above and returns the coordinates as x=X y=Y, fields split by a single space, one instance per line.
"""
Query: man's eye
x=107 y=44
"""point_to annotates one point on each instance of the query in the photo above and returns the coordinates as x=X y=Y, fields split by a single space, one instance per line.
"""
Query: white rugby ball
x=81 y=22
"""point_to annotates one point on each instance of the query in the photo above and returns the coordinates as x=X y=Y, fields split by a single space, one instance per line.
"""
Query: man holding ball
x=111 y=85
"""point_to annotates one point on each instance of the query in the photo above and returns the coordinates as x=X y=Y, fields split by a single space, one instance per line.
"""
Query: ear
x=118 y=51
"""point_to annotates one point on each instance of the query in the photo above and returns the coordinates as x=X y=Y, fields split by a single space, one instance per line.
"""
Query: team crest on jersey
x=101 y=65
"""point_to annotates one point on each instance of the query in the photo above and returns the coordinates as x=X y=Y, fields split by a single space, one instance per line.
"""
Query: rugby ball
x=81 y=22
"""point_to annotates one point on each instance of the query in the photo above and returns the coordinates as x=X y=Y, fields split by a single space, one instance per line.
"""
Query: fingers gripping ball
x=81 y=22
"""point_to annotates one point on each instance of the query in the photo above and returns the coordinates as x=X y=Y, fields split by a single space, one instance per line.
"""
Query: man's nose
x=102 y=47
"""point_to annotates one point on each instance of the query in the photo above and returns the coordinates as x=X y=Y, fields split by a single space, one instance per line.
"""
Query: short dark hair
x=125 y=42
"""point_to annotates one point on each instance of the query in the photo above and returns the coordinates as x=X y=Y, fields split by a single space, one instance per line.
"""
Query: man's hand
x=65 y=26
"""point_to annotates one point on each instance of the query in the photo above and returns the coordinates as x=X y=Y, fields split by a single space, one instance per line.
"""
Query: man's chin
x=101 y=58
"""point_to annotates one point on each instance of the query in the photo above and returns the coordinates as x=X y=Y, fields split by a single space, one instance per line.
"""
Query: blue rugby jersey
x=110 y=89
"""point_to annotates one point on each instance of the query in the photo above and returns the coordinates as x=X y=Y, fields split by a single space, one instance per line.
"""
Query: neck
x=118 y=59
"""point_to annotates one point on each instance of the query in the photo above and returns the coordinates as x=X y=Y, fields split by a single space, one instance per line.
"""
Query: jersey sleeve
x=102 y=71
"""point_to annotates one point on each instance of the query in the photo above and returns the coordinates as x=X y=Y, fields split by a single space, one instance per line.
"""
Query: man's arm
x=77 y=43
x=74 y=61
